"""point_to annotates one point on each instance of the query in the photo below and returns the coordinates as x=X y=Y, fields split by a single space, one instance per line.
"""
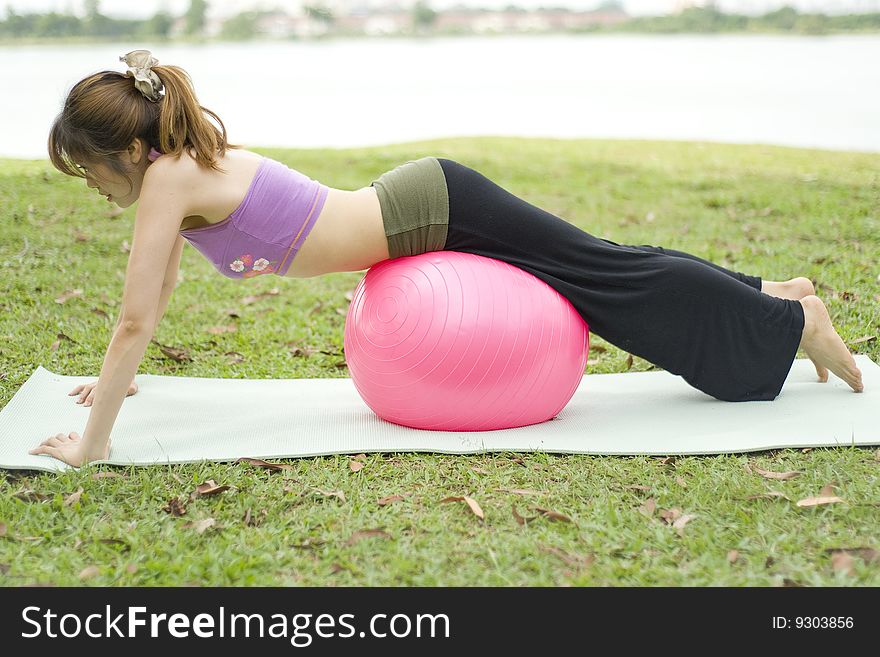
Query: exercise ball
x=453 y=341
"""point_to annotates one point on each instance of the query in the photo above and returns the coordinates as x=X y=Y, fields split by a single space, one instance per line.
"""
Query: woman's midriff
x=348 y=235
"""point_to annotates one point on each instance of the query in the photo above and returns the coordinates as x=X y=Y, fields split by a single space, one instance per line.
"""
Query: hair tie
x=140 y=64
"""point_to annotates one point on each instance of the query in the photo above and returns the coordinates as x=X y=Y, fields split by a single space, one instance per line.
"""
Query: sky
x=222 y=8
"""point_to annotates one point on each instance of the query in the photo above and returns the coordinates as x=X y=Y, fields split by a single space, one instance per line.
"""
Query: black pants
x=713 y=327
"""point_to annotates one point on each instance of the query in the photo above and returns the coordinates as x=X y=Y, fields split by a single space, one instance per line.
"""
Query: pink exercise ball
x=453 y=341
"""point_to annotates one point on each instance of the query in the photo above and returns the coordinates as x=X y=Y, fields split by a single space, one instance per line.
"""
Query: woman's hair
x=104 y=112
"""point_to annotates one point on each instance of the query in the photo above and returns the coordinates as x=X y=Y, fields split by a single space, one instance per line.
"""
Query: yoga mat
x=176 y=419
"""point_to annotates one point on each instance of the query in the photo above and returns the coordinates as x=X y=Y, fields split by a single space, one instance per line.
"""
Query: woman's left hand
x=68 y=448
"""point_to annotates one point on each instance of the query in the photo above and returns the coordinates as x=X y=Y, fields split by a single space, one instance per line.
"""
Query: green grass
x=772 y=211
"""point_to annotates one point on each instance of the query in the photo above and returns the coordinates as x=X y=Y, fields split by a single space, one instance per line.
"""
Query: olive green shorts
x=415 y=207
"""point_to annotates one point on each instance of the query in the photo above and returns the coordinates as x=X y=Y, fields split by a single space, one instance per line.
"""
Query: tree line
x=96 y=26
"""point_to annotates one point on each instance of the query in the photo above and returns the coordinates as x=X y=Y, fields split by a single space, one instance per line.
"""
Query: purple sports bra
x=264 y=233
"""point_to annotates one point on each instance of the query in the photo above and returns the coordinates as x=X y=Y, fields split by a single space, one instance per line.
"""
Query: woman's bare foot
x=824 y=347
x=795 y=288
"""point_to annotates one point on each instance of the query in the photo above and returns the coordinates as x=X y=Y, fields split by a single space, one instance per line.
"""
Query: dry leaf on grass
x=328 y=493
x=472 y=503
x=175 y=507
x=69 y=294
x=210 y=487
x=2 y=529
x=842 y=562
x=199 y=525
x=178 y=355
x=73 y=498
x=367 y=533
x=88 y=572
x=389 y=499
x=732 y=556
x=521 y=520
x=647 y=509
x=680 y=522
x=869 y=555
x=60 y=336
x=552 y=515
x=251 y=521
x=818 y=501
x=354 y=466
x=256 y=297
x=522 y=491
x=769 y=494
x=227 y=328
x=767 y=474
x=105 y=474
x=576 y=560
x=260 y=463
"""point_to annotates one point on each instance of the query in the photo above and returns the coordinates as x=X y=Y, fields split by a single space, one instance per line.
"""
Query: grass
x=772 y=211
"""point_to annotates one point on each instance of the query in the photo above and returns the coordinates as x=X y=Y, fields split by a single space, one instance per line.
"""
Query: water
x=821 y=92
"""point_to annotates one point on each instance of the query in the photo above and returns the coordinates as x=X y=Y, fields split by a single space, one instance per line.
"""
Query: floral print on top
x=260 y=266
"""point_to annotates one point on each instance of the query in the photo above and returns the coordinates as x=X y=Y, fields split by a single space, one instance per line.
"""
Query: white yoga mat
x=182 y=419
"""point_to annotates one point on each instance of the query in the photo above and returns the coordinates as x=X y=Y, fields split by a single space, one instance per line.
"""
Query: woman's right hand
x=87 y=392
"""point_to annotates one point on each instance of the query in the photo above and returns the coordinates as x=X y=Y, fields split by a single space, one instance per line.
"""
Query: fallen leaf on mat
x=88 y=572
x=647 y=509
x=260 y=463
x=472 y=503
x=816 y=501
x=208 y=488
x=841 y=562
x=367 y=533
x=521 y=520
x=175 y=507
x=552 y=515
x=199 y=525
x=576 y=560
x=73 y=498
x=767 y=474
x=732 y=556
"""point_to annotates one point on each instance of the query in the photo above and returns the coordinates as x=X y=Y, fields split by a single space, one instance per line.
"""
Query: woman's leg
x=722 y=335
x=751 y=281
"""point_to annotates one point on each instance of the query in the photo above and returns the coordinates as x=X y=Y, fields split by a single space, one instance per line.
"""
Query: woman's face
x=113 y=186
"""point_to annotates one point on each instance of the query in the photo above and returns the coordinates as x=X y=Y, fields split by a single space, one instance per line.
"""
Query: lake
x=821 y=92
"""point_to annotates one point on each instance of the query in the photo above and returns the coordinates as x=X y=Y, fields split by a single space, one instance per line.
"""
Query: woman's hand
x=69 y=449
x=87 y=392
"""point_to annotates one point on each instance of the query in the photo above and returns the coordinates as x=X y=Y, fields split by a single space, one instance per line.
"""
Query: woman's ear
x=136 y=150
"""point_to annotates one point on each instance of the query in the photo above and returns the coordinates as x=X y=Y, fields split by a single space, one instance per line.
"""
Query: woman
x=728 y=334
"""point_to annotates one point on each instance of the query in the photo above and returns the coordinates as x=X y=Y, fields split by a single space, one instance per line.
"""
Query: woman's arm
x=155 y=241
